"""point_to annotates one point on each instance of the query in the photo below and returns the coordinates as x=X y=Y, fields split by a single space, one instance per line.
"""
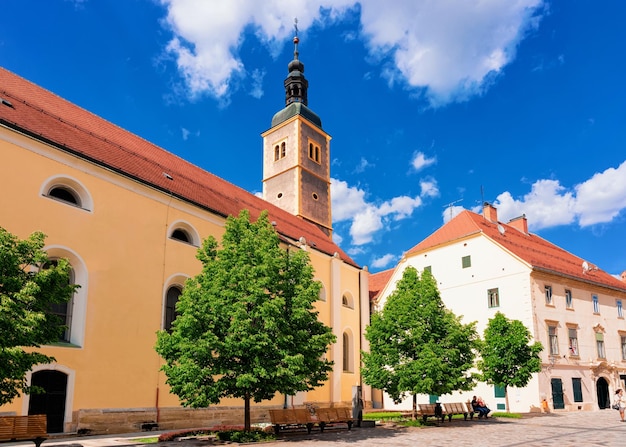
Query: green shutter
x=499 y=391
x=578 y=390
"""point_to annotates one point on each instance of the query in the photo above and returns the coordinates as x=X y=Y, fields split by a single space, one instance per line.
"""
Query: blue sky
x=429 y=103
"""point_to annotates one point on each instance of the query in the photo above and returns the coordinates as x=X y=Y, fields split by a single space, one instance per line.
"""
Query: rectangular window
x=573 y=341
x=314 y=152
x=493 y=298
x=554 y=340
x=596 y=305
x=466 y=261
x=548 y=292
x=498 y=391
x=623 y=345
x=620 y=311
x=600 y=345
x=577 y=389
x=568 y=299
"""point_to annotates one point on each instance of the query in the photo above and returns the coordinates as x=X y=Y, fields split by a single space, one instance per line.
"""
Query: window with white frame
x=620 y=311
x=596 y=304
x=600 y=345
x=493 y=298
x=553 y=340
x=622 y=340
x=572 y=333
x=548 y=293
x=569 y=304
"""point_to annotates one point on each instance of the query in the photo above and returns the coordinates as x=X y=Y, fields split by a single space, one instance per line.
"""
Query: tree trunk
x=246 y=413
x=506 y=399
x=414 y=406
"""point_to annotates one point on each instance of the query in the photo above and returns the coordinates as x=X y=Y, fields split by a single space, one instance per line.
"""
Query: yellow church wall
x=129 y=262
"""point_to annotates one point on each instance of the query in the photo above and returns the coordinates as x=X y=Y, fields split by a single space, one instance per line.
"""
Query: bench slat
x=24 y=428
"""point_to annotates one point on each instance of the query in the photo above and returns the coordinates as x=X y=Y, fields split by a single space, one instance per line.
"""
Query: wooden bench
x=331 y=416
x=450 y=409
x=24 y=428
x=291 y=418
x=430 y=410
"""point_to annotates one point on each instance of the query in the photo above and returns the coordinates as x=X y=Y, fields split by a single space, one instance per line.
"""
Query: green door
x=557 y=394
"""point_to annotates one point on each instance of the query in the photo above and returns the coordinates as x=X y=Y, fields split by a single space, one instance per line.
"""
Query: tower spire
x=296 y=84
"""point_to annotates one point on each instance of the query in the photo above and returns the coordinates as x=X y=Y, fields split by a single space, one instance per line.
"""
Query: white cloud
x=451 y=212
x=366 y=219
x=384 y=261
x=420 y=161
x=429 y=188
x=256 y=91
x=185 y=133
x=598 y=200
x=451 y=49
x=363 y=164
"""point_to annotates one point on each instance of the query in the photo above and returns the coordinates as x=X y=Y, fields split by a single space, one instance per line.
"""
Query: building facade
x=129 y=216
x=574 y=309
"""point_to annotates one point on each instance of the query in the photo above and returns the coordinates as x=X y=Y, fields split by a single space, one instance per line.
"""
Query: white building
x=572 y=307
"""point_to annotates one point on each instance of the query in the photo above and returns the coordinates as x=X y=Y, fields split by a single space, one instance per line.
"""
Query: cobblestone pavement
x=598 y=428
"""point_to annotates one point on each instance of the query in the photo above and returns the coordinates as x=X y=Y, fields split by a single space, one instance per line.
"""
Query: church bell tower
x=296 y=154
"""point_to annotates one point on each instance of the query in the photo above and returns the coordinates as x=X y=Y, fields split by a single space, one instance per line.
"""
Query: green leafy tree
x=418 y=346
x=29 y=286
x=246 y=325
x=508 y=357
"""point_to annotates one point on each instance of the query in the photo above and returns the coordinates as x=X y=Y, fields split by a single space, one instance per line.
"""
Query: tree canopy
x=418 y=346
x=507 y=356
x=29 y=285
x=246 y=325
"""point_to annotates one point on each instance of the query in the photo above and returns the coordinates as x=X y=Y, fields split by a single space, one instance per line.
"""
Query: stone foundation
x=130 y=420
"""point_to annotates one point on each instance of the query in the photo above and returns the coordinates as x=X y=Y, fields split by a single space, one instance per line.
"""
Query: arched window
x=347 y=353
x=67 y=190
x=65 y=194
x=171 y=298
x=283 y=149
x=184 y=232
x=346 y=301
x=181 y=235
x=276 y=153
x=63 y=311
x=322 y=295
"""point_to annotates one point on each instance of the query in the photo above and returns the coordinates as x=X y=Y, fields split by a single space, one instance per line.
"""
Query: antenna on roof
x=450 y=205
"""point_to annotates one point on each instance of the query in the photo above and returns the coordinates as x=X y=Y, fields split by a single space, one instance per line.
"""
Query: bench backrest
x=283 y=416
x=427 y=408
x=455 y=408
x=23 y=427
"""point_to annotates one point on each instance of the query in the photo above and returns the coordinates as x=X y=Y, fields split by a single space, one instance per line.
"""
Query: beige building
x=572 y=307
x=130 y=216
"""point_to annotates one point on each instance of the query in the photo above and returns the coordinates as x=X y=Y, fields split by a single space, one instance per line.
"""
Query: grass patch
x=383 y=416
x=507 y=415
x=150 y=440
x=223 y=433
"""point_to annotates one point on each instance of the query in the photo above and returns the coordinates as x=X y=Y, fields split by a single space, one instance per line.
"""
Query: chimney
x=520 y=223
x=490 y=212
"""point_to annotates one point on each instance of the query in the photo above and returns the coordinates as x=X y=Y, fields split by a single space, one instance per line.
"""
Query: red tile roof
x=377 y=281
x=48 y=117
x=540 y=254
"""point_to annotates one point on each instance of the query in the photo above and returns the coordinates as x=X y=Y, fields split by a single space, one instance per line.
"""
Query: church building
x=129 y=216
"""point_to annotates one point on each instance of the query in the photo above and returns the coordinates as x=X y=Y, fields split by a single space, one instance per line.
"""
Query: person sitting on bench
x=478 y=404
